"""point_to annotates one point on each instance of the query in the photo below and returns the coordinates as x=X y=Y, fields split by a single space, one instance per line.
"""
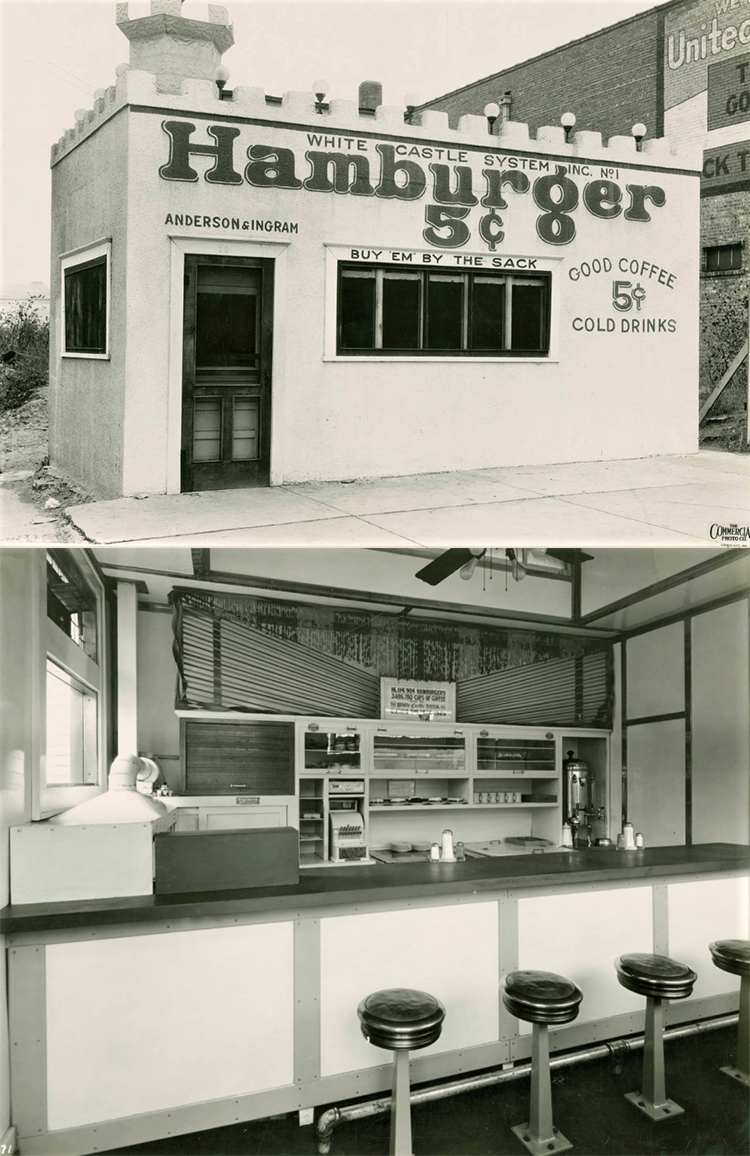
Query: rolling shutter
x=562 y=692
x=232 y=666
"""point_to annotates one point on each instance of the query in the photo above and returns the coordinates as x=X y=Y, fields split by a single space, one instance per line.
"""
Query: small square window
x=85 y=303
x=723 y=258
x=71 y=604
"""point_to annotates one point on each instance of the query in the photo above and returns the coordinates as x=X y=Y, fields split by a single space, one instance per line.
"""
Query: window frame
x=70 y=261
x=737 y=247
x=86 y=742
x=51 y=643
x=469 y=278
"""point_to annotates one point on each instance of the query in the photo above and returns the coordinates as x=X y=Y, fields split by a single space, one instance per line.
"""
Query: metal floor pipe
x=614 y=1048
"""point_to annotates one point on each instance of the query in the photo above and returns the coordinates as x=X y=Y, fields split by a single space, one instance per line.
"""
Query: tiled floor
x=589 y=1108
x=648 y=501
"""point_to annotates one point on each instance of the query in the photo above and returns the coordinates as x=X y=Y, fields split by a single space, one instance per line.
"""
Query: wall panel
x=700 y=913
x=655 y=672
x=451 y=952
x=221 y=1000
x=656 y=781
x=721 y=725
x=552 y=929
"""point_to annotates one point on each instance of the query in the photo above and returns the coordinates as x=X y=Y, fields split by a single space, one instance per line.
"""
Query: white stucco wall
x=87 y=395
x=607 y=393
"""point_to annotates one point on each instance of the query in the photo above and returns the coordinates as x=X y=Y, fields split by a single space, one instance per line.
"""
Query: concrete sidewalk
x=671 y=501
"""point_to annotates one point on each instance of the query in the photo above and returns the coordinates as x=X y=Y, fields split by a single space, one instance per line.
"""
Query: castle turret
x=174 y=48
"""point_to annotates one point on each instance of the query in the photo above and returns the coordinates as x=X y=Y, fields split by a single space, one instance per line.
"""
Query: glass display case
x=505 y=755
x=332 y=750
x=404 y=751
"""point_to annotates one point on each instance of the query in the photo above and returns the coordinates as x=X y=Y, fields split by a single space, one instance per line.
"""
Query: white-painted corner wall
x=19 y=742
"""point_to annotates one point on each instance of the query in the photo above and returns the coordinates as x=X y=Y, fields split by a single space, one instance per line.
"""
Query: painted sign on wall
x=726 y=169
x=697 y=36
x=452 y=180
x=729 y=92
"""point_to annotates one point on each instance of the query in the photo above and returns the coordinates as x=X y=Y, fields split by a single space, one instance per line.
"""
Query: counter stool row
x=402 y=1020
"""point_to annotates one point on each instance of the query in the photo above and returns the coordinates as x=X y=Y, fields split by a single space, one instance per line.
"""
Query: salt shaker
x=639 y=841
x=435 y=853
x=447 y=855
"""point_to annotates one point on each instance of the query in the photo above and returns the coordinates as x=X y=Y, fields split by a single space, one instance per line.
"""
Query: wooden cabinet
x=227 y=757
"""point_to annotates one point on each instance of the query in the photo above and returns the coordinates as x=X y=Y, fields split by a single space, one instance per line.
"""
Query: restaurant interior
x=364 y=850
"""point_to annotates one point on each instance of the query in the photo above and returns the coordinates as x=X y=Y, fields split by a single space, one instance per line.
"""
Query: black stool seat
x=731 y=955
x=657 y=976
x=541 y=997
x=401 y=1018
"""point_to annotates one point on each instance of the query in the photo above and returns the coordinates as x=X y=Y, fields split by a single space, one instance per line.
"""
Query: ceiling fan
x=521 y=561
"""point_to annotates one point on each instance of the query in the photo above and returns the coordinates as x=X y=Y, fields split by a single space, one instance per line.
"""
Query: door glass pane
x=227 y=318
x=401 y=294
x=527 y=304
x=357 y=309
x=207 y=429
x=445 y=306
x=245 y=439
x=487 y=309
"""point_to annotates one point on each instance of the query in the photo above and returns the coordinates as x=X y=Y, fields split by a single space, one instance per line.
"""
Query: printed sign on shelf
x=726 y=169
x=428 y=701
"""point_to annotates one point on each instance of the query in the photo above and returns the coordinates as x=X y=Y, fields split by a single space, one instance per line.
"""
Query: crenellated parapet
x=172 y=66
x=297 y=109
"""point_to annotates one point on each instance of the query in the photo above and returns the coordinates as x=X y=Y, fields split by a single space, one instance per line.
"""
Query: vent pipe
x=370 y=95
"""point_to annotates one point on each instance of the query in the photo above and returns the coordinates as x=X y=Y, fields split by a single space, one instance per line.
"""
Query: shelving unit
x=312 y=821
x=484 y=782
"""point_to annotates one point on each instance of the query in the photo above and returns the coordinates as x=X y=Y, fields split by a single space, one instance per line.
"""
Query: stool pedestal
x=401 y=1019
x=541 y=998
x=539 y=1136
x=659 y=979
x=400 y=1107
x=653 y=1100
x=733 y=955
x=741 y=1072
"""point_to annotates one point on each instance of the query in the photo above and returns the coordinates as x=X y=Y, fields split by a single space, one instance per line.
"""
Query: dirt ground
x=23 y=435
x=725 y=424
x=23 y=466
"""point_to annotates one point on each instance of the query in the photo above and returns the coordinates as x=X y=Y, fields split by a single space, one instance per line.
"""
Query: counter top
x=328 y=887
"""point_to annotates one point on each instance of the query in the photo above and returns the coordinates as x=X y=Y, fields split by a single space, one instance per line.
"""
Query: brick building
x=683 y=70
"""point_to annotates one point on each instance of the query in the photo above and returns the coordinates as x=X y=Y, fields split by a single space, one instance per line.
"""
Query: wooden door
x=226 y=399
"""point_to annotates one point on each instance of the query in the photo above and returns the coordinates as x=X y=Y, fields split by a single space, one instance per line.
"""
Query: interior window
x=71 y=730
x=71 y=604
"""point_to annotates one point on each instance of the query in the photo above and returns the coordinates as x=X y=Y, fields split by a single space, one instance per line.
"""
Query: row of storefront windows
x=380 y=310
x=385 y=310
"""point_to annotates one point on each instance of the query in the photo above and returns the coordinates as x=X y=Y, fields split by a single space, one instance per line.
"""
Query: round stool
x=401 y=1020
x=541 y=998
x=659 y=979
x=733 y=955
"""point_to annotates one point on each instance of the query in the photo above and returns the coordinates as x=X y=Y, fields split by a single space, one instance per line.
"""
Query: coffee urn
x=579 y=806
